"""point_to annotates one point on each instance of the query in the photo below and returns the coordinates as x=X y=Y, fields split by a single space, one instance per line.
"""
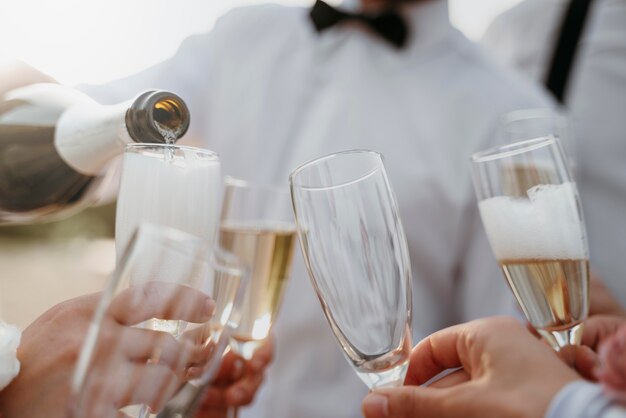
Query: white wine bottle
x=56 y=145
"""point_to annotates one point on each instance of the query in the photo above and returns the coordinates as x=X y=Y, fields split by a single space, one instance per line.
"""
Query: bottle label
x=89 y=137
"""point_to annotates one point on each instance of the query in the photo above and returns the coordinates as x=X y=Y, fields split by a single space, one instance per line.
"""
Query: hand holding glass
x=152 y=329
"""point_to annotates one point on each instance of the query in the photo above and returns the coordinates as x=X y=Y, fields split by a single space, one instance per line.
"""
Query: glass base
x=136 y=411
x=392 y=377
x=559 y=338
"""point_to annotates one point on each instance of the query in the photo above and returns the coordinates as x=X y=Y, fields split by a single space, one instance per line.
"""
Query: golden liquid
x=518 y=178
x=552 y=293
x=224 y=291
x=267 y=250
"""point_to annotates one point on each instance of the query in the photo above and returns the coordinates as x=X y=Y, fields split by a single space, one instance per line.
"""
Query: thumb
x=405 y=402
x=580 y=358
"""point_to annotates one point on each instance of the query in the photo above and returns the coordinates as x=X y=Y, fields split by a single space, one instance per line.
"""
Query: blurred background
x=77 y=41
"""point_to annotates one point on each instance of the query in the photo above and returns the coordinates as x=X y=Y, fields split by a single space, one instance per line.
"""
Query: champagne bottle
x=56 y=145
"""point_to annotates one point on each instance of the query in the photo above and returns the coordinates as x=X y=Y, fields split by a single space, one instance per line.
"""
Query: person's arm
x=19 y=74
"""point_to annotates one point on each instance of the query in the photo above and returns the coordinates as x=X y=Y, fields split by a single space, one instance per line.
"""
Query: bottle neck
x=88 y=137
x=157 y=117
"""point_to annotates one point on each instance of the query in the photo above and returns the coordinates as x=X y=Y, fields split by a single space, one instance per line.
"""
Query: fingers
x=142 y=345
x=612 y=369
x=409 y=402
x=586 y=363
x=238 y=380
x=231 y=369
x=243 y=391
x=580 y=358
x=462 y=346
x=568 y=355
x=455 y=378
x=263 y=356
x=598 y=328
x=161 y=300
x=238 y=394
x=234 y=367
x=121 y=384
x=120 y=344
x=150 y=384
x=434 y=354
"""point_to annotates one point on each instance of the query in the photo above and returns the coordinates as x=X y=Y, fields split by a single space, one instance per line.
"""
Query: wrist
x=542 y=394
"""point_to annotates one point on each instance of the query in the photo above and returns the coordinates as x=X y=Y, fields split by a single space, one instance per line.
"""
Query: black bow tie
x=389 y=24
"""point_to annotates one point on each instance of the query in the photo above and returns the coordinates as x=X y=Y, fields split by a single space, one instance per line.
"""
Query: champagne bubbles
x=544 y=225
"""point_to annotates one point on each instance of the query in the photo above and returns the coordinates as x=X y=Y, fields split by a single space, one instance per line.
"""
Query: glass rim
x=176 y=236
x=237 y=268
x=241 y=183
x=143 y=145
x=330 y=156
x=513 y=149
x=531 y=113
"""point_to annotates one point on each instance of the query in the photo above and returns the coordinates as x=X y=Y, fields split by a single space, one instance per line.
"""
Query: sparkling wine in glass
x=257 y=226
x=357 y=258
x=532 y=214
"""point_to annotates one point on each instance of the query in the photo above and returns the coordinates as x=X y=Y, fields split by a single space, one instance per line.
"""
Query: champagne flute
x=153 y=330
x=357 y=258
x=531 y=211
x=169 y=185
x=257 y=226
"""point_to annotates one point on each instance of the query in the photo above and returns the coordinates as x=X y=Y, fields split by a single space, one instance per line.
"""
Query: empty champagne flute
x=532 y=214
x=257 y=227
x=357 y=258
x=154 y=327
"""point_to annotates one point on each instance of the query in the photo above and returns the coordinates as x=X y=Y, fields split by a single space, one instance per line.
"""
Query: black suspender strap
x=567 y=44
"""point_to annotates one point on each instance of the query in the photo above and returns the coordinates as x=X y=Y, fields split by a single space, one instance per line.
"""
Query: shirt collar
x=428 y=20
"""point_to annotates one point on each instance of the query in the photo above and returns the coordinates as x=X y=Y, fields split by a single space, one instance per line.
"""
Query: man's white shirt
x=267 y=92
